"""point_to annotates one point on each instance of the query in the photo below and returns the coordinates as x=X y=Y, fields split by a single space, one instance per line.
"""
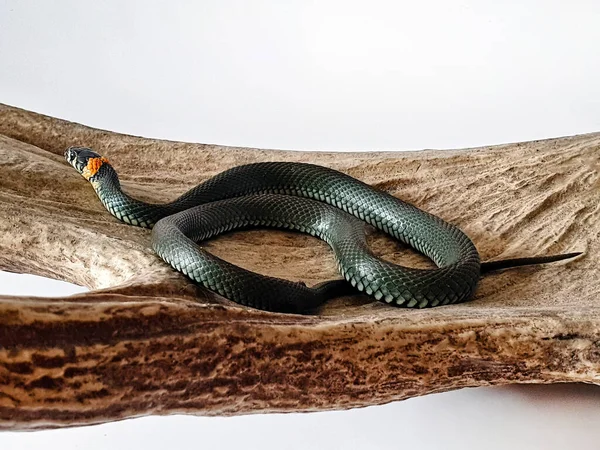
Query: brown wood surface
x=147 y=341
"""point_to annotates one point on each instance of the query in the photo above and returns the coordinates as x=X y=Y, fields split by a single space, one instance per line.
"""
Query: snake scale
x=312 y=199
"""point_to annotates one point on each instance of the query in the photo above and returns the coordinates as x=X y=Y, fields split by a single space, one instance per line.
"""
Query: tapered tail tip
x=571 y=255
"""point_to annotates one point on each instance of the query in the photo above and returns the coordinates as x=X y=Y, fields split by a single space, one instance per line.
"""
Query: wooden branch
x=146 y=341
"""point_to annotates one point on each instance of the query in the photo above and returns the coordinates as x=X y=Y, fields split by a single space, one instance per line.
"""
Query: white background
x=331 y=75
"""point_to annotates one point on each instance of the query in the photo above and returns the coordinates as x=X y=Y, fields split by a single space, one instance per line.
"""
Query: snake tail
x=492 y=266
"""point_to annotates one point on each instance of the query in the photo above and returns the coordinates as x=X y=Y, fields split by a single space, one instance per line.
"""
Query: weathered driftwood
x=146 y=341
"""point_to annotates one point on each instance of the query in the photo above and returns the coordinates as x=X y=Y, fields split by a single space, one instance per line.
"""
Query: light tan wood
x=147 y=341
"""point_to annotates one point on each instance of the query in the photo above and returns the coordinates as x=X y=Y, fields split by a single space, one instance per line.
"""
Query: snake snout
x=71 y=157
x=70 y=153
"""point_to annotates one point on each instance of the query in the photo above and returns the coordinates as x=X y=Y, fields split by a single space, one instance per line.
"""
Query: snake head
x=86 y=161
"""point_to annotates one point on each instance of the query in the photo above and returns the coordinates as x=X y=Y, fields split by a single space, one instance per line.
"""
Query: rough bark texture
x=146 y=341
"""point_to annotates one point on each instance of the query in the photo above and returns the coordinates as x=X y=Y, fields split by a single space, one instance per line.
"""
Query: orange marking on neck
x=93 y=166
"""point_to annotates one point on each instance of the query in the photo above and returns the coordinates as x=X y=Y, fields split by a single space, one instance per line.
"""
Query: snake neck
x=125 y=208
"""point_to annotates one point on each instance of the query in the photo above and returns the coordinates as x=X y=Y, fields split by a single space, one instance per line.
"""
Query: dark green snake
x=282 y=195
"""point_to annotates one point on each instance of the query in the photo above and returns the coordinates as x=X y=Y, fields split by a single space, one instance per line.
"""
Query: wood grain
x=144 y=340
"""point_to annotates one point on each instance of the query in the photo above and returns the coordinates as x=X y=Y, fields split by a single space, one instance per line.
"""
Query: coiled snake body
x=282 y=195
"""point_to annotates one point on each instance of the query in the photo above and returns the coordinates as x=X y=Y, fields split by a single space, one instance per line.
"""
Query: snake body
x=308 y=198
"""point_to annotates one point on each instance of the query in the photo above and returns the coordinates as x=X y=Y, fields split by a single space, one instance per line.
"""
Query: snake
x=308 y=198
